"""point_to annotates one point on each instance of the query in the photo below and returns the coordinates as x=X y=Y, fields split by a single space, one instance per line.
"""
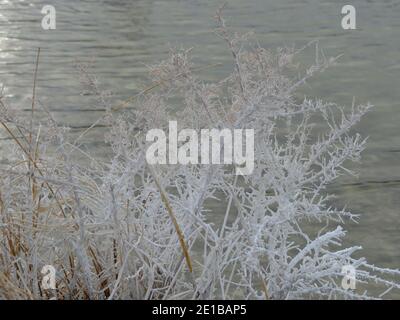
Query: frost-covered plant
x=122 y=229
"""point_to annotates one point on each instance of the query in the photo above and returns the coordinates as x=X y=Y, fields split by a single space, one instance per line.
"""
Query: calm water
x=121 y=36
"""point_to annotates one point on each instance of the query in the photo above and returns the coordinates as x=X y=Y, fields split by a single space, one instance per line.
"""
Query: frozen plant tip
x=127 y=229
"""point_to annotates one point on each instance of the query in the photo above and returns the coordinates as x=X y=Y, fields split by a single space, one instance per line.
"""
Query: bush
x=122 y=229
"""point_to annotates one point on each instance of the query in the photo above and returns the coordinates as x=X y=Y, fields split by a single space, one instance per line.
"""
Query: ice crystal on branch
x=122 y=229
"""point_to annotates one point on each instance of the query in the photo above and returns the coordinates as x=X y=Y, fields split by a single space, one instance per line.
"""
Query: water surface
x=121 y=37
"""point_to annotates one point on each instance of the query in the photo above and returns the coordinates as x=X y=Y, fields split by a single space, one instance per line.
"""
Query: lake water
x=121 y=37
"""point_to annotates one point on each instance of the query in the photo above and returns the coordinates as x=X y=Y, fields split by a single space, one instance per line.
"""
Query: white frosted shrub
x=121 y=229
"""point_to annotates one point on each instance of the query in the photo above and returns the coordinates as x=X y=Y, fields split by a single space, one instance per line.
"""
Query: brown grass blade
x=178 y=230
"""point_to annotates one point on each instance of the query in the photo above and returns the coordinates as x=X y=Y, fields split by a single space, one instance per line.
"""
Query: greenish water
x=122 y=36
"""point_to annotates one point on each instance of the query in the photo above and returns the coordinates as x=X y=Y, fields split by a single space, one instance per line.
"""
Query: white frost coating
x=108 y=226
